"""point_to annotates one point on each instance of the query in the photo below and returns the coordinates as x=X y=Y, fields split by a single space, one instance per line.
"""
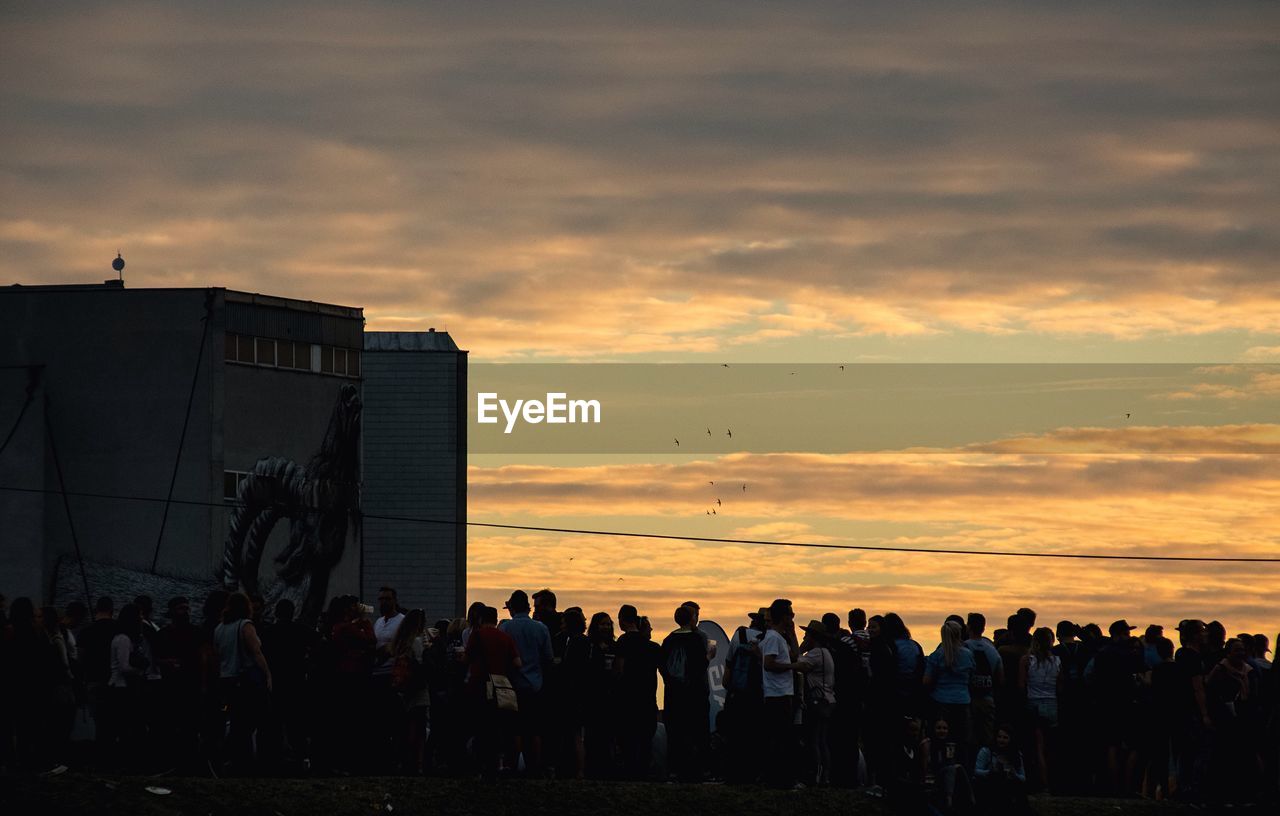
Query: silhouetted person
x=490 y=653
x=120 y=724
x=636 y=659
x=988 y=675
x=287 y=646
x=533 y=642
x=600 y=730
x=778 y=652
x=684 y=710
x=178 y=658
x=244 y=677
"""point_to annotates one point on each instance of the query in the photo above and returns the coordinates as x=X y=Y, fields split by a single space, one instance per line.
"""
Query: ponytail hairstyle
x=952 y=634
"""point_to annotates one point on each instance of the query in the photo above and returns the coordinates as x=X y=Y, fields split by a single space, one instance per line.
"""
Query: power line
x=33 y=379
x=186 y=418
x=702 y=539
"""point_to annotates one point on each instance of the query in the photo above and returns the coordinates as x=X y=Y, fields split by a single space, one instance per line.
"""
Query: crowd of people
x=977 y=723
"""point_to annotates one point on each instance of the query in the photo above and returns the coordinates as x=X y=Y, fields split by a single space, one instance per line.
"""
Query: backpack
x=745 y=672
x=675 y=665
x=981 y=680
x=402 y=672
x=407 y=674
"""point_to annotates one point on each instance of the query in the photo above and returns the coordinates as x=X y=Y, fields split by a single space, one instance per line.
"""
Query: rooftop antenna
x=118 y=266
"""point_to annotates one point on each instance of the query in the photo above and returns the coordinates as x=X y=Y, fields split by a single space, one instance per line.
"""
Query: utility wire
x=66 y=503
x=33 y=379
x=186 y=420
x=706 y=539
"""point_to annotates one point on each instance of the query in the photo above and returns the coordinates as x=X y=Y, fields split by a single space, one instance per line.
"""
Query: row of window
x=264 y=351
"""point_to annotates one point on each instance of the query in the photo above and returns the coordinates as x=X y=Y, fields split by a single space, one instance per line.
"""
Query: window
x=231 y=480
x=263 y=351
x=266 y=351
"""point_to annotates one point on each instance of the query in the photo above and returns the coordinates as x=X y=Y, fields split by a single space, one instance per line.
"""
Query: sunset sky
x=741 y=182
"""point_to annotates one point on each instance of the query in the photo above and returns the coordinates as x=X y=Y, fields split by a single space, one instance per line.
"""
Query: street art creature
x=321 y=502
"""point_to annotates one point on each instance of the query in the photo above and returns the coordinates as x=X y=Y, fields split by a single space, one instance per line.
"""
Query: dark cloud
x=899 y=169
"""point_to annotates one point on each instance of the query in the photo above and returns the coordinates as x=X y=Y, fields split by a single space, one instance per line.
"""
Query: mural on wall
x=321 y=501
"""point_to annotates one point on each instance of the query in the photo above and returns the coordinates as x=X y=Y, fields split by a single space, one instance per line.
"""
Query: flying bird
x=710 y=482
x=677 y=443
x=724 y=365
x=708 y=432
x=1126 y=416
x=713 y=511
x=744 y=488
x=842 y=368
x=729 y=433
x=718 y=503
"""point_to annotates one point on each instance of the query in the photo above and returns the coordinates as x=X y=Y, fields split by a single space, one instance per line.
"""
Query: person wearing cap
x=533 y=642
x=1190 y=737
x=1114 y=673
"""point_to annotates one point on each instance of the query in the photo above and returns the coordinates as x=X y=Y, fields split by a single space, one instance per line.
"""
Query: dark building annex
x=175 y=441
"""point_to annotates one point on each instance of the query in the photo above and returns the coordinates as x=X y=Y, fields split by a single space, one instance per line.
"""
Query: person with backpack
x=744 y=697
x=685 y=698
x=411 y=678
x=988 y=674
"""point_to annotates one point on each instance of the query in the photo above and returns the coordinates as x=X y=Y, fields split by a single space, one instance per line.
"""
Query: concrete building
x=183 y=439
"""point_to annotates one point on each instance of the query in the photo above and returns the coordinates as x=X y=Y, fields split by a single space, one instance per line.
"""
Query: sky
x=743 y=182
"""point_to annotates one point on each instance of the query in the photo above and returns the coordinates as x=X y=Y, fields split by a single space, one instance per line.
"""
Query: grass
x=83 y=793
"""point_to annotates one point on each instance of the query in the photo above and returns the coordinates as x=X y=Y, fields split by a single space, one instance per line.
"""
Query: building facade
x=175 y=441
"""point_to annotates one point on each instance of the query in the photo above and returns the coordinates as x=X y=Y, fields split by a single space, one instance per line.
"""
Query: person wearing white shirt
x=778 y=656
x=386 y=700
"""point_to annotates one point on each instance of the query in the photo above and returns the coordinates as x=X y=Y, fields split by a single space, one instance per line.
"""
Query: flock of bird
x=714 y=511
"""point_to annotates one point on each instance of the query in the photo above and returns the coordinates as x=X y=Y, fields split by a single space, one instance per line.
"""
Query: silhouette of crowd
x=977 y=724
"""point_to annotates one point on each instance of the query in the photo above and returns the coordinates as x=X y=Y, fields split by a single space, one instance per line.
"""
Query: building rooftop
x=232 y=296
x=430 y=340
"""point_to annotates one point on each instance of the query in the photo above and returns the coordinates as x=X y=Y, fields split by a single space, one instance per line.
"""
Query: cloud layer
x=589 y=179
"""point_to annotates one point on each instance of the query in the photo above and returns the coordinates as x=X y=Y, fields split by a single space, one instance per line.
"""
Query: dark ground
x=83 y=794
